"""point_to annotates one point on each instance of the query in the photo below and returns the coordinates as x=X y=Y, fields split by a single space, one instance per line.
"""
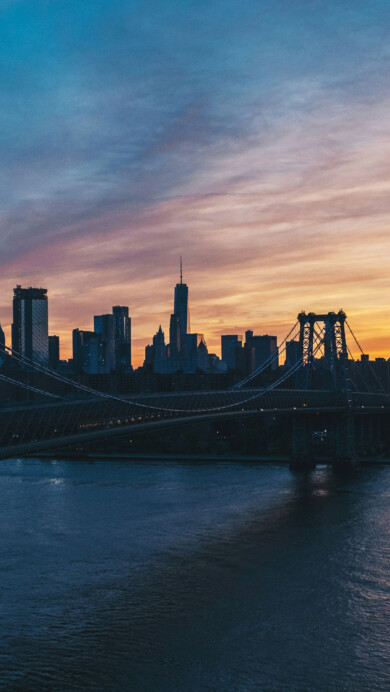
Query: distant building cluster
x=101 y=357
x=104 y=350
x=186 y=351
x=107 y=348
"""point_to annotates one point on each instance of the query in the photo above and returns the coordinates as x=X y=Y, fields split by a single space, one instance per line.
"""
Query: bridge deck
x=36 y=426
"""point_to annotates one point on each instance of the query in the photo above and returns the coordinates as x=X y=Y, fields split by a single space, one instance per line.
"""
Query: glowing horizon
x=252 y=140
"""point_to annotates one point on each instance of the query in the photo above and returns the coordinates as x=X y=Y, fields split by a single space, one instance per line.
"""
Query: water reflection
x=188 y=577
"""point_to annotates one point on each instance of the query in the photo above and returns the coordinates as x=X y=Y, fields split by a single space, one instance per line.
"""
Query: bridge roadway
x=33 y=427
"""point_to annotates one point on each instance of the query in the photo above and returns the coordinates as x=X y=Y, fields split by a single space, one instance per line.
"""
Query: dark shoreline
x=190 y=457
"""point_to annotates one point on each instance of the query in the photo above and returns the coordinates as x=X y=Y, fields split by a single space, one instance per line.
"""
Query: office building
x=159 y=352
x=196 y=353
x=122 y=336
x=54 y=351
x=174 y=336
x=30 y=323
x=105 y=326
x=181 y=306
x=229 y=344
x=293 y=353
x=90 y=353
x=2 y=337
x=264 y=346
x=245 y=360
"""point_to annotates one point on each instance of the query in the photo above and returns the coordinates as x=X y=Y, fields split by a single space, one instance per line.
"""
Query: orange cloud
x=295 y=220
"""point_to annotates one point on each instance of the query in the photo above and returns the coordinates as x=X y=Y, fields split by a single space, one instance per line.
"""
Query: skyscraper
x=174 y=336
x=104 y=325
x=265 y=346
x=229 y=345
x=2 y=337
x=122 y=335
x=293 y=353
x=54 y=351
x=90 y=353
x=159 y=351
x=181 y=307
x=30 y=323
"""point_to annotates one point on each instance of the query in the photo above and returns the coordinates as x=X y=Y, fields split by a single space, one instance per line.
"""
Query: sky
x=251 y=137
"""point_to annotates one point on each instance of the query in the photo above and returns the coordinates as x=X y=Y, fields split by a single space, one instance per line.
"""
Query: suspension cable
x=267 y=362
x=103 y=395
x=17 y=383
x=360 y=373
x=180 y=410
x=387 y=394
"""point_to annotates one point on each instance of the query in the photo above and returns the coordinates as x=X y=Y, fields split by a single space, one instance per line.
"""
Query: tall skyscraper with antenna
x=181 y=307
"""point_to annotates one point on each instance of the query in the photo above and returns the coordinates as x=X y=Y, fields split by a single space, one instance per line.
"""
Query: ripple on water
x=193 y=577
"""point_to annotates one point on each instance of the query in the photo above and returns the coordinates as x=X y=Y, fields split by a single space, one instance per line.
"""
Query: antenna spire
x=181 y=269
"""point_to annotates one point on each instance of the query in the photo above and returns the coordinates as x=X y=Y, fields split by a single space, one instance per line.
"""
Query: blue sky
x=133 y=132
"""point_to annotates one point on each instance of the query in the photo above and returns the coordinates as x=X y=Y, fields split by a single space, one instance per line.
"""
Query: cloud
x=253 y=142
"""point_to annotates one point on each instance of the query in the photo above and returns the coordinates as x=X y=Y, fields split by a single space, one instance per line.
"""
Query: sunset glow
x=261 y=156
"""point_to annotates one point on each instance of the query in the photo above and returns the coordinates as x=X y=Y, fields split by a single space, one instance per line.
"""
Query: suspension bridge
x=67 y=414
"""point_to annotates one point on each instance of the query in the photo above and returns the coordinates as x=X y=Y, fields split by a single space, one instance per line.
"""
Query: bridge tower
x=332 y=337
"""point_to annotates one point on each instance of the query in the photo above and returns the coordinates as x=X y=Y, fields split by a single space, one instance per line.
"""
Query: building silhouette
x=229 y=345
x=30 y=323
x=90 y=353
x=186 y=352
x=196 y=353
x=175 y=336
x=293 y=353
x=122 y=336
x=159 y=351
x=54 y=351
x=2 y=337
x=104 y=326
x=181 y=307
x=264 y=347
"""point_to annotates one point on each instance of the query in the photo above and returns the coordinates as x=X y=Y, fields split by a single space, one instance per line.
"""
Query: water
x=193 y=576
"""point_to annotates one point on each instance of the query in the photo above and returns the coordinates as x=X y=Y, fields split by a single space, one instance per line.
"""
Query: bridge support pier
x=345 y=456
x=301 y=458
x=369 y=437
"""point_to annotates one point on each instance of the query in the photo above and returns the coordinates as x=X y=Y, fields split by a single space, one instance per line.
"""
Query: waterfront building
x=245 y=360
x=174 y=336
x=54 y=351
x=122 y=336
x=181 y=306
x=264 y=346
x=30 y=323
x=148 y=355
x=196 y=353
x=229 y=344
x=90 y=353
x=105 y=326
x=159 y=352
x=293 y=353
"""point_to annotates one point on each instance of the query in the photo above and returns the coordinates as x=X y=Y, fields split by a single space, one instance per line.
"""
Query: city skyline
x=195 y=345
x=67 y=351
x=260 y=155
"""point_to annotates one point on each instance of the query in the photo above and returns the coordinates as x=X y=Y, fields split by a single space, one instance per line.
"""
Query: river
x=192 y=577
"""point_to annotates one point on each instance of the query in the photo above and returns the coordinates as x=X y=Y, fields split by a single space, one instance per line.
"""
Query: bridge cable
x=165 y=409
x=56 y=376
x=267 y=362
x=103 y=395
x=28 y=387
x=359 y=373
x=387 y=394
